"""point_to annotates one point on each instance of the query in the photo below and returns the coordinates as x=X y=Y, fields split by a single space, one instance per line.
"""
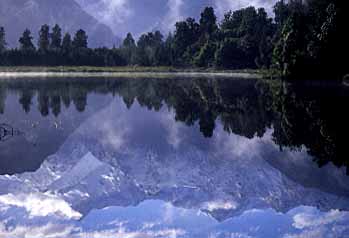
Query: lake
x=173 y=157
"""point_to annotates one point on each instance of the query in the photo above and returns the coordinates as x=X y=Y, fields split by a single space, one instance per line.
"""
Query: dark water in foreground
x=172 y=158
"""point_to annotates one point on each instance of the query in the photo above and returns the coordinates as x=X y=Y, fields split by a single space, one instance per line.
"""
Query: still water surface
x=172 y=157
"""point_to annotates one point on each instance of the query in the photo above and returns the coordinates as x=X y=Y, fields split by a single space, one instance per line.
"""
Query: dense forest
x=305 y=39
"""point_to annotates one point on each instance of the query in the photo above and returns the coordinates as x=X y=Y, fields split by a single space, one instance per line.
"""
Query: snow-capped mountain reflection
x=137 y=173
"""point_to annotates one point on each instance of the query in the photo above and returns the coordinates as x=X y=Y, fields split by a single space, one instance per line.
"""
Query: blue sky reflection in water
x=169 y=158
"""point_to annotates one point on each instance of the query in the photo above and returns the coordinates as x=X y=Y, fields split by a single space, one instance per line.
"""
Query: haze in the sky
x=17 y=15
x=108 y=21
x=138 y=16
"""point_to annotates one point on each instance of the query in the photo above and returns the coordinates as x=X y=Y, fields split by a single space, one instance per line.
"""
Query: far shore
x=88 y=71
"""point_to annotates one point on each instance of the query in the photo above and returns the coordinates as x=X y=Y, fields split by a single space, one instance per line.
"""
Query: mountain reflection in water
x=160 y=157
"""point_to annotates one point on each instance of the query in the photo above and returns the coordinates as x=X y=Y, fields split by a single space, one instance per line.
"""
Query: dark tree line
x=54 y=49
x=311 y=38
x=305 y=39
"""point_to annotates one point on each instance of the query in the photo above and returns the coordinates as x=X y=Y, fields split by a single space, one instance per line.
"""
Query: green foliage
x=128 y=49
x=44 y=41
x=312 y=40
x=67 y=44
x=185 y=36
x=3 y=46
x=149 y=48
x=129 y=42
x=281 y=12
x=25 y=41
x=229 y=54
x=206 y=55
x=304 y=40
x=202 y=51
x=3 y=43
x=288 y=55
x=56 y=38
x=289 y=52
x=252 y=30
x=80 y=40
x=208 y=25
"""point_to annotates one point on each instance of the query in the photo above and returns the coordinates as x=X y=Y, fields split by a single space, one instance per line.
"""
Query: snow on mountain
x=223 y=176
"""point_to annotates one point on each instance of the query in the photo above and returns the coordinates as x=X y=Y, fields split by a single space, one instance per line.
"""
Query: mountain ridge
x=17 y=15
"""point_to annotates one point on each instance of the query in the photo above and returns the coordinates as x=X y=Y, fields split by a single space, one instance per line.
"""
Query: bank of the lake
x=88 y=71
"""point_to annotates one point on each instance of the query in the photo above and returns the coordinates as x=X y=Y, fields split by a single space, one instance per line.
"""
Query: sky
x=139 y=16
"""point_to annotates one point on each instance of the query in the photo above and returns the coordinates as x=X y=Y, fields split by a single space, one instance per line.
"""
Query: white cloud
x=319 y=232
x=312 y=223
x=48 y=231
x=52 y=230
x=174 y=137
x=116 y=11
x=113 y=132
x=109 y=12
x=174 y=14
x=122 y=233
x=313 y=218
x=220 y=205
x=168 y=212
x=40 y=205
x=239 y=146
x=223 y=6
x=230 y=235
x=239 y=235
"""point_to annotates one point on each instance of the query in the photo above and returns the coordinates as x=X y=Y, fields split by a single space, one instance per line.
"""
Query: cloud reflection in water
x=175 y=183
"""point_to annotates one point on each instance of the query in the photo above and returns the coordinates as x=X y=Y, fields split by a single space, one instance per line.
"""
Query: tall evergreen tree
x=129 y=49
x=251 y=31
x=129 y=41
x=208 y=24
x=207 y=43
x=56 y=37
x=66 y=49
x=149 y=48
x=3 y=43
x=185 y=36
x=281 y=13
x=25 y=41
x=168 y=50
x=44 y=38
x=80 y=39
x=67 y=44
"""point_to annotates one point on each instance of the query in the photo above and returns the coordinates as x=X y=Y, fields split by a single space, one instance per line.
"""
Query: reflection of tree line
x=315 y=119
x=245 y=107
x=51 y=96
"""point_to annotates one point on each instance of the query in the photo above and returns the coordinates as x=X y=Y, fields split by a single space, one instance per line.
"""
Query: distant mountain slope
x=16 y=15
x=142 y=16
x=139 y=16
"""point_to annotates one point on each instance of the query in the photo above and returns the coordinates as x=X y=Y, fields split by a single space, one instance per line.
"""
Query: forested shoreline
x=305 y=39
